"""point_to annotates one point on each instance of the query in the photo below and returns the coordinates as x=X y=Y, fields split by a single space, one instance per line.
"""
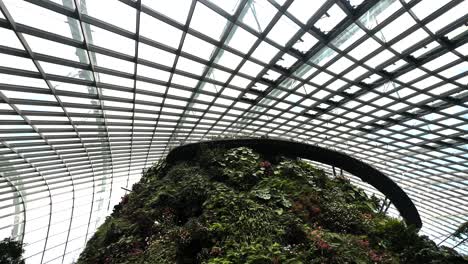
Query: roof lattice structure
x=93 y=91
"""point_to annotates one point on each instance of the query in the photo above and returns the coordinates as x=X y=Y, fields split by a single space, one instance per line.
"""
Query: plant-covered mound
x=234 y=206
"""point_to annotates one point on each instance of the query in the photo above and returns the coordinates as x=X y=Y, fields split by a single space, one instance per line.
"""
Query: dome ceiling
x=93 y=92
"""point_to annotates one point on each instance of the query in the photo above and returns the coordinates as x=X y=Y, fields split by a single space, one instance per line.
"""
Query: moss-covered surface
x=233 y=206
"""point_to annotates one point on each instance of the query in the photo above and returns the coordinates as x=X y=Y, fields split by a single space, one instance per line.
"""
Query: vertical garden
x=238 y=206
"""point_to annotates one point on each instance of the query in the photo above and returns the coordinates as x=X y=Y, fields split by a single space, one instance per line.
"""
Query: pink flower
x=363 y=243
x=375 y=257
x=136 y=251
x=265 y=164
x=323 y=245
x=125 y=199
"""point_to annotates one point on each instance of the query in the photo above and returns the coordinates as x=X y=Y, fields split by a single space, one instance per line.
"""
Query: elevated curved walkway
x=352 y=165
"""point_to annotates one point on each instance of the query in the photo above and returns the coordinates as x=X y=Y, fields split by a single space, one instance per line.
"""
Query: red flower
x=314 y=211
x=215 y=251
x=363 y=243
x=125 y=199
x=375 y=257
x=276 y=260
x=367 y=216
x=265 y=164
x=315 y=235
x=136 y=251
x=321 y=244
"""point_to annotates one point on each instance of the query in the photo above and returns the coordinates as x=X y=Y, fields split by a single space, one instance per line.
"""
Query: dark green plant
x=462 y=234
x=241 y=167
x=11 y=252
x=462 y=231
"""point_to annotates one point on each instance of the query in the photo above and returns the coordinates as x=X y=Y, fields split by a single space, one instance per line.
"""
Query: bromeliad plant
x=234 y=206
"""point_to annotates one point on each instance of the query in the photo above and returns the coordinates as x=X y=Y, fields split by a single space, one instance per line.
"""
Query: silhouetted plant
x=11 y=252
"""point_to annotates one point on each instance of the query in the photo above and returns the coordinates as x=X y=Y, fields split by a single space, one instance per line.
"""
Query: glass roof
x=92 y=92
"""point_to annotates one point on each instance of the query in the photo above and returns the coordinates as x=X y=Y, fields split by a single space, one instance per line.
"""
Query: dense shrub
x=11 y=252
x=231 y=206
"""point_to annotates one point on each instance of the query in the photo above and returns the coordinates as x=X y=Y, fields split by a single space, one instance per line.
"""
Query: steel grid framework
x=91 y=96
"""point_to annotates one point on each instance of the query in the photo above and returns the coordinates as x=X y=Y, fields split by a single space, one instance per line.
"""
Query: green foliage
x=241 y=168
x=256 y=252
x=342 y=217
x=11 y=252
x=237 y=215
x=229 y=206
x=404 y=242
x=462 y=231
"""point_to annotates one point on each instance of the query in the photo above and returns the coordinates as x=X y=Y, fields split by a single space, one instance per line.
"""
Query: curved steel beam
x=16 y=190
x=352 y=165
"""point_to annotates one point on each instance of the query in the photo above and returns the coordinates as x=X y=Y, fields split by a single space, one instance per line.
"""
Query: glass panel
x=208 y=22
x=228 y=59
x=286 y=61
x=364 y=49
x=394 y=28
x=305 y=43
x=190 y=66
x=323 y=56
x=380 y=58
x=9 y=38
x=258 y=14
x=410 y=40
x=348 y=37
x=283 y=31
x=109 y=40
x=17 y=62
x=112 y=63
x=340 y=65
x=30 y=96
x=304 y=10
x=448 y=17
x=175 y=9
x=423 y=9
x=379 y=13
x=198 y=47
x=251 y=68
x=155 y=55
x=219 y=75
x=440 y=61
x=121 y=16
x=112 y=79
x=74 y=87
x=241 y=40
x=19 y=80
x=26 y=13
x=186 y=81
x=229 y=6
x=333 y=16
x=159 y=31
x=53 y=48
x=153 y=73
x=51 y=68
x=265 y=52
